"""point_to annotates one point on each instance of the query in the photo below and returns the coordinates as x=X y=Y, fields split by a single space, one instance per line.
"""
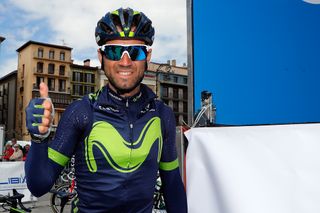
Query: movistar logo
x=120 y=154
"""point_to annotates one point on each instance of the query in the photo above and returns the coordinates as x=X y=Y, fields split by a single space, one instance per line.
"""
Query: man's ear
x=149 y=55
x=99 y=55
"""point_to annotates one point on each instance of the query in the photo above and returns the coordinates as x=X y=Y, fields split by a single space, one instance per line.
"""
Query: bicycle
x=11 y=203
x=61 y=196
x=64 y=192
x=158 y=199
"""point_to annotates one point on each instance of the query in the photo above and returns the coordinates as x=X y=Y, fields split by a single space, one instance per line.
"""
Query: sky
x=72 y=23
x=260 y=60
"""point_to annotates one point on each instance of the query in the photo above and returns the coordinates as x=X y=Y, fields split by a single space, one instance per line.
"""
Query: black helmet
x=124 y=24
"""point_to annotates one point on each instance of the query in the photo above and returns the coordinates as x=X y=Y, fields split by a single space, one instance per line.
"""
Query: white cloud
x=74 y=22
x=7 y=65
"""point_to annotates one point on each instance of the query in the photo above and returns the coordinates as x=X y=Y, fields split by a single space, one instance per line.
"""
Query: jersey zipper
x=130 y=133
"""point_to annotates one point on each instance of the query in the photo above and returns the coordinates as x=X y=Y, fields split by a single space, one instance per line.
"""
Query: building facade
x=42 y=62
x=84 y=79
x=8 y=87
x=172 y=88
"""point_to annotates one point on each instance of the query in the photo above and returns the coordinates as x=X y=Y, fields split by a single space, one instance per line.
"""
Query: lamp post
x=2 y=39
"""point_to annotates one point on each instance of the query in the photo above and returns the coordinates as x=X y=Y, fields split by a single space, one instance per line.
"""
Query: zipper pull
x=131 y=133
x=127 y=103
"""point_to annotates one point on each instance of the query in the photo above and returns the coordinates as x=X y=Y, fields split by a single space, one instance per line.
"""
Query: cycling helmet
x=124 y=24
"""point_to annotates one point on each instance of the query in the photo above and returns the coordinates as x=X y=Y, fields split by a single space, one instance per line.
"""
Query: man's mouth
x=124 y=73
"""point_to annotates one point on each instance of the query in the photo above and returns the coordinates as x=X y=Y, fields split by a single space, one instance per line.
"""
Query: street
x=42 y=205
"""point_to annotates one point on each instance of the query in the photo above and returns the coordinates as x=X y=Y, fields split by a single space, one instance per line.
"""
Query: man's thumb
x=44 y=90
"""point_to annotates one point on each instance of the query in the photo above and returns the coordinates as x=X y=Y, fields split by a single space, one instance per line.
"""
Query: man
x=17 y=155
x=120 y=136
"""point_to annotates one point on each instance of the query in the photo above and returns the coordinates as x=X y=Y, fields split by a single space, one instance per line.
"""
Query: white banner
x=256 y=169
x=12 y=176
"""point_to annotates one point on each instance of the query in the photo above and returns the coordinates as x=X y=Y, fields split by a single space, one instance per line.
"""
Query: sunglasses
x=115 y=52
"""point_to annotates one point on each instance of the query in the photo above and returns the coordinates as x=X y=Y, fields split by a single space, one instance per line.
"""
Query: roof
x=42 y=44
x=9 y=75
x=83 y=67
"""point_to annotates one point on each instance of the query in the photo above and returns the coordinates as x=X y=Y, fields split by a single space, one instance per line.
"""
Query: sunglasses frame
x=102 y=48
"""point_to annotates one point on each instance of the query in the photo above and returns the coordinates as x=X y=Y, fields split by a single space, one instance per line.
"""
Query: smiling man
x=121 y=136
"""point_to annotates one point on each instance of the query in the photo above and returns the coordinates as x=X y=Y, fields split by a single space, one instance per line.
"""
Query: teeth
x=124 y=73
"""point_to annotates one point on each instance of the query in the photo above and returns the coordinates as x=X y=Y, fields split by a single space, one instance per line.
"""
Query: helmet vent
x=136 y=20
x=146 y=28
x=126 y=17
x=106 y=28
x=116 y=21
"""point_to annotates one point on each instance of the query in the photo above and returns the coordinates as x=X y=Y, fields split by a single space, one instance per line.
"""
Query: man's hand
x=39 y=113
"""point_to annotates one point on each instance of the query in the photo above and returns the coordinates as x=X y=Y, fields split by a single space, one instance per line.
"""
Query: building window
x=185 y=94
x=61 y=69
x=175 y=93
x=1 y=103
x=78 y=90
x=175 y=79
x=51 y=84
x=185 y=118
x=175 y=106
x=166 y=77
x=62 y=56
x=87 y=90
x=92 y=78
x=77 y=76
x=22 y=73
x=5 y=89
x=185 y=107
x=185 y=80
x=40 y=53
x=51 y=68
x=164 y=91
x=51 y=54
x=39 y=80
x=40 y=67
x=62 y=85
x=5 y=117
x=87 y=77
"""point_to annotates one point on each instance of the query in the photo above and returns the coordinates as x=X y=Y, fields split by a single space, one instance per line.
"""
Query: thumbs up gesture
x=39 y=114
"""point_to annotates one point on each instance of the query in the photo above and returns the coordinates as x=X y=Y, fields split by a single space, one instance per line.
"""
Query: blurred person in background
x=17 y=154
x=7 y=152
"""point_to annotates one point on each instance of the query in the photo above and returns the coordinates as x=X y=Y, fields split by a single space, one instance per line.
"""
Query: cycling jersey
x=119 y=144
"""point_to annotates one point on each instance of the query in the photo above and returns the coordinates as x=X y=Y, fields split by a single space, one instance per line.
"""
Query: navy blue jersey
x=119 y=145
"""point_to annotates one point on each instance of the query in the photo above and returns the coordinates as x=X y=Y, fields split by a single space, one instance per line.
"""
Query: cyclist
x=120 y=136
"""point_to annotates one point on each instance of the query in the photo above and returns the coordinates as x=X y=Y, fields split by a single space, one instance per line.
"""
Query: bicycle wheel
x=55 y=200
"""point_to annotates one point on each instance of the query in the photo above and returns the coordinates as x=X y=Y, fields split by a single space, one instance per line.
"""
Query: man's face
x=125 y=74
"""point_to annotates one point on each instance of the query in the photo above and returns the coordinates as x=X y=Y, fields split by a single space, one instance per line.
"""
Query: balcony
x=53 y=73
x=59 y=100
x=44 y=56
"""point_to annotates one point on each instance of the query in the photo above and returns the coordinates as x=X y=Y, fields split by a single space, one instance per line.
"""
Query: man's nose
x=125 y=60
